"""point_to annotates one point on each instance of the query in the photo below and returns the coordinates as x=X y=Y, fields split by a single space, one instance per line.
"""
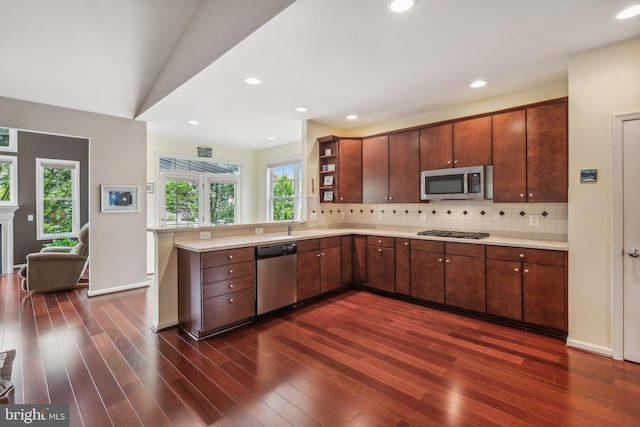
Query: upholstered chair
x=55 y=268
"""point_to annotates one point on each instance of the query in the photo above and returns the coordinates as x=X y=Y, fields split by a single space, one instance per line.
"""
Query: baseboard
x=592 y=348
x=156 y=327
x=92 y=293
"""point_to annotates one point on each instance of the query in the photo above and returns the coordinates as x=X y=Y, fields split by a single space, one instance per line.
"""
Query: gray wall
x=31 y=146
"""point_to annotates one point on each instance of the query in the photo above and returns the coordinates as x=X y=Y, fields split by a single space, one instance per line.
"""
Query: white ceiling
x=168 y=62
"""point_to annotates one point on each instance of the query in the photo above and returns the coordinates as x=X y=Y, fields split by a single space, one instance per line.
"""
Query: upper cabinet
x=530 y=149
x=340 y=169
x=436 y=147
x=391 y=168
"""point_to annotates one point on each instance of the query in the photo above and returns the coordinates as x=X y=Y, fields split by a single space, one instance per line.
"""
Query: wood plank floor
x=356 y=359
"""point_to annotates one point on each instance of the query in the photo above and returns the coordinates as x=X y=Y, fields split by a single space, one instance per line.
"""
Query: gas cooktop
x=455 y=234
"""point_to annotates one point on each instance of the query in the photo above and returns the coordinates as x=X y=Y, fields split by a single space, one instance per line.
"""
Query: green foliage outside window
x=181 y=202
x=222 y=203
x=57 y=201
x=5 y=182
x=4 y=137
x=283 y=198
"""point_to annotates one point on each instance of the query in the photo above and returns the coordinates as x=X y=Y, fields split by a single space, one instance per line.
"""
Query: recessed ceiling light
x=252 y=81
x=301 y=109
x=400 y=6
x=271 y=138
x=352 y=117
x=194 y=122
x=629 y=12
x=478 y=83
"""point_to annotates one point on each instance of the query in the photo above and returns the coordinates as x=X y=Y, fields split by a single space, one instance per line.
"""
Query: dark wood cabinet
x=510 y=157
x=216 y=290
x=347 y=259
x=381 y=263
x=436 y=147
x=375 y=169
x=359 y=260
x=464 y=276
x=340 y=169
x=472 y=142
x=427 y=270
x=319 y=266
x=404 y=167
x=528 y=285
x=547 y=153
x=403 y=266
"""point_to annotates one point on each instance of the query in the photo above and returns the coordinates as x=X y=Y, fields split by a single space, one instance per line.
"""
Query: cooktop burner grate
x=454 y=234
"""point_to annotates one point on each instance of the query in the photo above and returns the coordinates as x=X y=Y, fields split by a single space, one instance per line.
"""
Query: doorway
x=626 y=237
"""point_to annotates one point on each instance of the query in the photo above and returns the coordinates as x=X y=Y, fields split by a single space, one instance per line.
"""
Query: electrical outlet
x=423 y=217
x=343 y=215
x=205 y=235
x=29 y=218
x=259 y=230
x=314 y=216
x=533 y=220
x=379 y=216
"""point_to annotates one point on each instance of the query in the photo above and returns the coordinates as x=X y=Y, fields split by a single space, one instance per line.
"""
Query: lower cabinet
x=359 y=260
x=427 y=270
x=319 y=266
x=381 y=263
x=403 y=266
x=216 y=290
x=464 y=276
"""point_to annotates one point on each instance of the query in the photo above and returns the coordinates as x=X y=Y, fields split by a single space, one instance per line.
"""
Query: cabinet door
x=509 y=157
x=347 y=259
x=403 y=268
x=543 y=295
x=349 y=177
x=360 y=260
x=547 y=153
x=504 y=288
x=472 y=142
x=375 y=169
x=330 y=269
x=308 y=274
x=465 y=282
x=380 y=268
x=436 y=147
x=427 y=276
x=404 y=167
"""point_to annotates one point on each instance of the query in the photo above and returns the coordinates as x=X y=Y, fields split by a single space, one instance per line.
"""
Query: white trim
x=13 y=180
x=591 y=348
x=297 y=188
x=156 y=327
x=118 y=288
x=74 y=165
x=617 y=238
x=7 y=214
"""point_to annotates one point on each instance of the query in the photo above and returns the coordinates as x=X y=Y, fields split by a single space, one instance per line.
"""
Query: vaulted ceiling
x=168 y=62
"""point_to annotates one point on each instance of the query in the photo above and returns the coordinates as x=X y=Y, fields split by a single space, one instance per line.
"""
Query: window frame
x=74 y=165
x=13 y=180
x=297 y=189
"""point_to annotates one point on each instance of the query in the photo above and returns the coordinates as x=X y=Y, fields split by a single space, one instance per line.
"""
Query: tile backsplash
x=482 y=215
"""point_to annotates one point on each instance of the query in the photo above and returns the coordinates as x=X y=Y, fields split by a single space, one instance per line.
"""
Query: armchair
x=55 y=268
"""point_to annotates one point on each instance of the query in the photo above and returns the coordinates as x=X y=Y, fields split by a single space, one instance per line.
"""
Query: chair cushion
x=6 y=364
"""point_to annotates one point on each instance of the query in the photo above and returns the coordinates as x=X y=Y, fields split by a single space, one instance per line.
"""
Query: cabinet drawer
x=308 y=245
x=427 y=246
x=534 y=256
x=222 y=287
x=382 y=242
x=329 y=242
x=229 y=271
x=214 y=259
x=228 y=309
x=464 y=249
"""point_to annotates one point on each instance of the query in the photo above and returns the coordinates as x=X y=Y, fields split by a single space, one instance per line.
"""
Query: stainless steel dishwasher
x=276 y=276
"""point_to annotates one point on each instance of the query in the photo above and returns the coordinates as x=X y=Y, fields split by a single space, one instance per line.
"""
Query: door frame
x=617 y=237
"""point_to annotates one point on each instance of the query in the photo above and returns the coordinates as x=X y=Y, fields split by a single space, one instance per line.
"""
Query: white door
x=631 y=239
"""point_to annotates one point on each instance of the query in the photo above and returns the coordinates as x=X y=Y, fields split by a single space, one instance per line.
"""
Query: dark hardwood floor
x=356 y=359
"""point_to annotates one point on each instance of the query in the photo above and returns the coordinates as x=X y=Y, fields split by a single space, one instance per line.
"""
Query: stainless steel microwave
x=475 y=182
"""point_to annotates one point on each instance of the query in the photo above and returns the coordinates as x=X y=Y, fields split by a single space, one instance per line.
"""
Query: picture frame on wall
x=328 y=196
x=8 y=139
x=119 y=198
x=328 y=181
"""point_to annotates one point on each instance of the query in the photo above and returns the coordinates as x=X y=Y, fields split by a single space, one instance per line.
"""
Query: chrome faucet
x=292 y=226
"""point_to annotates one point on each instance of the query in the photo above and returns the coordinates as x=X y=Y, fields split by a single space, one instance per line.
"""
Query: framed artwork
x=328 y=196
x=119 y=198
x=331 y=168
x=588 y=175
x=8 y=139
x=328 y=181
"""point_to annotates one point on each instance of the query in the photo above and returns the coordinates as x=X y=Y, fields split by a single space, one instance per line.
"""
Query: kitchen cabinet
x=359 y=260
x=216 y=290
x=510 y=157
x=381 y=263
x=464 y=276
x=391 y=168
x=403 y=266
x=528 y=285
x=427 y=270
x=340 y=162
x=318 y=267
x=459 y=144
x=347 y=259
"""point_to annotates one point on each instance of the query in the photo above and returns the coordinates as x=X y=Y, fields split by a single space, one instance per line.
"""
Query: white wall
x=117 y=155
x=602 y=82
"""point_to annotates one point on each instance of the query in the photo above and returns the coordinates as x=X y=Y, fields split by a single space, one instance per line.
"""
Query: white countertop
x=262 y=239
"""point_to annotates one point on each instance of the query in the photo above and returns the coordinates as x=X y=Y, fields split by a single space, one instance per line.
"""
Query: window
x=8 y=139
x=8 y=181
x=198 y=192
x=285 y=191
x=58 y=198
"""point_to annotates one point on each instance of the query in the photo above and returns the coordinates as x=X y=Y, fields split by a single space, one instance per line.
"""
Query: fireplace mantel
x=6 y=221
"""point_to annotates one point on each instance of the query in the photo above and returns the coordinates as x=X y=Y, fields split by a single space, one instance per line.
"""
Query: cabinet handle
x=341 y=198
x=449 y=162
x=322 y=254
x=379 y=241
x=230 y=300
x=230 y=257
x=455 y=162
x=390 y=197
x=318 y=255
x=380 y=250
x=386 y=198
x=230 y=286
x=516 y=270
x=406 y=243
x=521 y=194
x=447 y=261
x=439 y=259
x=230 y=271
x=530 y=194
x=525 y=270
x=521 y=255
